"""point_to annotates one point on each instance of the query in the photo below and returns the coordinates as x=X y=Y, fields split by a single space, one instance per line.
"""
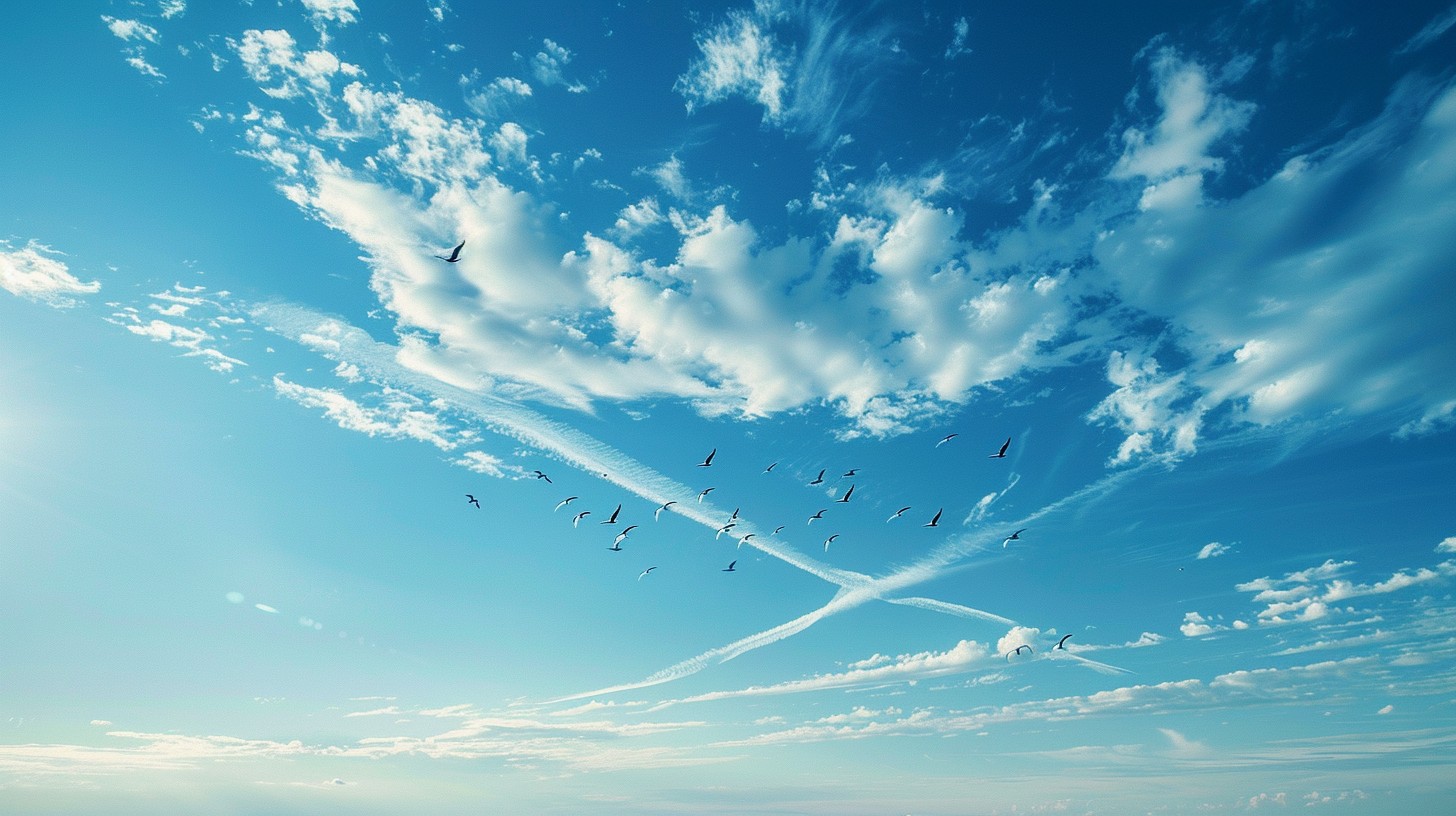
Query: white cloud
x=1386 y=709
x=957 y=46
x=331 y=11
x=1430 y=32
x=34 y=273
x=481 y=462
x=273 y=60
x=400 y=416
x=1447 y=545
x=549 y=66
x=634 y=218
x=1213 y=549
x=1157 y=412
x=494 y=99
x=172 y=8
x=101 y=723
x=1195 y=625
x=131 y=30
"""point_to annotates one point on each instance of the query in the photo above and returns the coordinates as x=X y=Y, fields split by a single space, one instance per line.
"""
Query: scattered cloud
x=1213 y=549
x=549 y=67
x=36 y=273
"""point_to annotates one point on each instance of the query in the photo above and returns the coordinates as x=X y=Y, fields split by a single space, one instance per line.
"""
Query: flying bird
x=616 y=546
x=613 y=519
x=744 y=539
x=849 y=473
x=540 y=475
x=730 y=567
x=645 y=572
x=829 y=539
x=1017 y=650
x=1016 y=536
x=454 y=254
x=818 y=515
x=1061 y=643
x=658 y=512
x=1001 y=454
x=735 y=514
x=818 y=479
x=898 y=513
x=623 y=535
x=946 y=438
x=770 y=468
x=579 y=516
x=473 y=500
x=704 y=493
x=564 y=502
x=777 y=530
x=847 y=494
x=709 y=461
x=725 y=528
x=935 y=522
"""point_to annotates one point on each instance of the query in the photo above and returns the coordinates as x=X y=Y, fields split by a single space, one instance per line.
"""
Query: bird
x=818 y=479
x=658 y=512
x=935 y=522
x=579 y=516
x=623 y=534
x=613 y=518
x=645 y=572
x=735 y=514
x=770 y=468
x=898 y=513
x=849 y=473
x=473 y=500
x=709 y=461
x=704 y=493
x=1018 y=649
x=540 y=475
x=847 y=494
x=946 y=438
x=730 y=567
x=454 y=254
x=725 y=528
x=616 y=546
x=1061 y=643
x=1016 y=536
x=777 y=530
x=818 y=515
x=564 y=502
x=741 y=541
x=829 y=539
x=1001 y=454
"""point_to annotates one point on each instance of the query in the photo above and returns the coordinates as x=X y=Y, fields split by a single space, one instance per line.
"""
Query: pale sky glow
x=831 y=409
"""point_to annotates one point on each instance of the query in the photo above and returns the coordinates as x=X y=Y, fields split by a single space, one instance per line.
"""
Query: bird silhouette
x=730 y=567
x=1017 y=651
x=935 y=522
x=725 y=528
x=622 y=535
x=849 y=473
x=658 y=511
x=645 y=573
x=709 y=461
x=770 y=468
x=1016 y=536
x=540 y=475
x=777 y=530
x=471 y=499
x=946 y=438
x=613 y=518
x=1061 y=643
x=744 y=540
x=818 y=480
x=454 y=254
x=1001 y=454
x=829 y=539
x=564 y=502
x=579 y=516
x=735 y=514
x=705 y=493
x=616 y=546
x=818 y=515
x=845 y=498
x=898 y=513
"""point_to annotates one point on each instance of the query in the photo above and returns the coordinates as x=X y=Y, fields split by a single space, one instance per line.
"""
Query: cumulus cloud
x=34 y=272
x=1310 y=594
x=1447 y=545
x=549 y=66
x=1195 y=625
x=273 y=60
x=342 y=12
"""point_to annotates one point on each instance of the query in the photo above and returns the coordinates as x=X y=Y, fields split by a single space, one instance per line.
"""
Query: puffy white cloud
x=1157 y=411
x=35 y=273
x=131 y=29
x=1195 y=625
x=1447 y=545
x=342 y=12
x=273 y=56
x=549 y=66
x=172 y=8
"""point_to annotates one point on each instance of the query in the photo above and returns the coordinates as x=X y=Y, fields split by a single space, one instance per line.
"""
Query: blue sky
x=1193 y=262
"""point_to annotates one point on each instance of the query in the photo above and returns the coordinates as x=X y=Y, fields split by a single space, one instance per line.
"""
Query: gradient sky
x=1195 y=261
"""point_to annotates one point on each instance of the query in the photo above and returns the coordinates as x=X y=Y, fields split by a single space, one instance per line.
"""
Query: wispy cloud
x=35 y=272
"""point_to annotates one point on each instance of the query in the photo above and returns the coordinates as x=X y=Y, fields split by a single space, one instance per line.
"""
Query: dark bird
x=725 y=528
x=579 y=516
x=1016 y=536
x=658 y=512
x=564 y=502
x=613 y=519
x=777 y=530
x=1061 y=643
x=735 y=514
x=945 y=439
x=622 y=535
x=645 y=572
x=540 y=475
x=1001 y=454
x=847 y=494
x=709 y=461
x=616 y=546
x=744 y=540
x=1017 y=650
x=473 y=500
x=818 y=515
x=770 y=468
x=730 y=567
x=818 y=479
x=898 y=513
x=454 y=254
x=935 y=522
x=849 y=473
x=705 y=493
x=829 y=539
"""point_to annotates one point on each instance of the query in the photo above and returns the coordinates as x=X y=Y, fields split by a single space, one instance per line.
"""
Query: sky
x=832 y=408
